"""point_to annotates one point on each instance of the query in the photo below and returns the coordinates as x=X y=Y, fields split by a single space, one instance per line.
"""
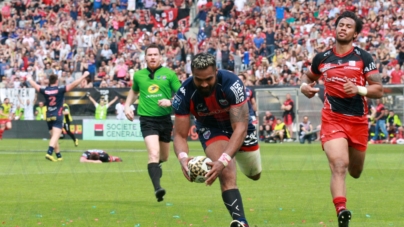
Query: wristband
x=225 y=159
x=303 y=84
x=182 y=155
x=362 y=90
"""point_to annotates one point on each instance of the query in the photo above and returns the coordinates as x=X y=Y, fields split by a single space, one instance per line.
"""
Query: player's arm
x=239 y=122
x=84 y=159
x=33 y=83
x=76 y=82
x=375 y=86
x=181 y=149
x=374 y=90
x=175 y=84
x=309 y=79
x=132 y=96
x=253 y=104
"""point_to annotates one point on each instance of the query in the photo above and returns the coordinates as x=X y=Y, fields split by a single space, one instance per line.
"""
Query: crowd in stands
x=273 y=42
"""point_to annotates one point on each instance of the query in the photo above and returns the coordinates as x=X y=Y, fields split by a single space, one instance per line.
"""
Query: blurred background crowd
x=272 y=42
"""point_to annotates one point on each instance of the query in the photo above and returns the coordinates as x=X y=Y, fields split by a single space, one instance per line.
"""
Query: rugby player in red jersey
x=350 y=76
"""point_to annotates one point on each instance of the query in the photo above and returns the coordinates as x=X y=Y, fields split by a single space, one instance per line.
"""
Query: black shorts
x=66 y=126
x=161 y=126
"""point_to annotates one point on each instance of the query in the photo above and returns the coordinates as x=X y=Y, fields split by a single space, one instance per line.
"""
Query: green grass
x=293 y=189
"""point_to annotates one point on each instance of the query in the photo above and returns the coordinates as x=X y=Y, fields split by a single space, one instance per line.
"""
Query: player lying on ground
x=98 y=156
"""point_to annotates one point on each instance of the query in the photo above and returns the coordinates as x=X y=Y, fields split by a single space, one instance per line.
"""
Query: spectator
x=101 y=109
x=120 y=109
x=305 y=131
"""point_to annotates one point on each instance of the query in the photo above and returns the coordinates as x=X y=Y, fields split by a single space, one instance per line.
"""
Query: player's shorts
x=352 y=128
x=4 y=121
x=161 y=126
x=66 y=126
x=254 y=120
x=54 y=122
x=249 y=162
x=288 y=119
x=209 y=135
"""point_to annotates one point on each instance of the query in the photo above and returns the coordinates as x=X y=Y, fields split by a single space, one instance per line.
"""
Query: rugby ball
x=197 y=168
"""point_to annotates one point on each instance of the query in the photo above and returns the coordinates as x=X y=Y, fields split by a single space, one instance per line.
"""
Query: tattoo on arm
x=375 y=78
x=239 y=113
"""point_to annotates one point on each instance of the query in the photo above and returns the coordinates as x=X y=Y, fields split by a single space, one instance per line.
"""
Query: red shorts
x=288 y=120
x=4 y=121
x=352 y=128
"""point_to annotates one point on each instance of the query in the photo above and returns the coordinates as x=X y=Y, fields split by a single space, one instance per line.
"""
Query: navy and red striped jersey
x=250 y=95
x=355 y=65
x=212 y=111
x=53 y=100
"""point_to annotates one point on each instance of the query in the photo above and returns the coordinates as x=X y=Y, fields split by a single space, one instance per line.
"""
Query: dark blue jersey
x=250 y=95
x=103 y=156
x=54 y=100
x=212 y=111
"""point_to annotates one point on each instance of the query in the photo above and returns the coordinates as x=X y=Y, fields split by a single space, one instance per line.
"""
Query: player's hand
x=216 y=169
x=350 y=88
x=86 y=73
x=164 y=103
x=184 y=167
x=129 y=113
x=309 y=90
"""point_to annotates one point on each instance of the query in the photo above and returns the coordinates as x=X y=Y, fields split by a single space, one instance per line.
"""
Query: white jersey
x=29 y=111
x=120 y=111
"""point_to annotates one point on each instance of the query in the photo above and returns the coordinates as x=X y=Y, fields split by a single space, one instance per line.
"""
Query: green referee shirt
x=164 y=84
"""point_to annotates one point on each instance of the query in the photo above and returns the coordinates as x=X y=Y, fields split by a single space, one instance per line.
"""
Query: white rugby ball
x=198 y=168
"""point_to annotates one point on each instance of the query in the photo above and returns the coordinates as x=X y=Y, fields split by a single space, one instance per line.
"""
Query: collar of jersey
x=154 y=70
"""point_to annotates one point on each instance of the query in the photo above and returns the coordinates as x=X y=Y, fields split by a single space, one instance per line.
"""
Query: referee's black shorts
x=161 y=126
x=66 y=126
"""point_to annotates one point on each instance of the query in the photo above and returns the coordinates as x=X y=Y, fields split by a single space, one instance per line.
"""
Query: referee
x=67 y=120
x=154 y=86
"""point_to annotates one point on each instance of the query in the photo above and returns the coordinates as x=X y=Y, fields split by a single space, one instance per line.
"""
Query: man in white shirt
x=28 y=109
x=120 y=109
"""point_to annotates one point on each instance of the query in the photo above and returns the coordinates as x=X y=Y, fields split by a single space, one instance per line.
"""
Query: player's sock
x=58 y=155
x=72 y=136
x=50 y=150
x=339 y=203
x=234 y=204
x=161 y=167
x=1 y=133
x=155 y=174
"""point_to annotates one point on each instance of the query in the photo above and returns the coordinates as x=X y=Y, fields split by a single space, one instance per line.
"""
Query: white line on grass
x=78 y=172
x=27 y=151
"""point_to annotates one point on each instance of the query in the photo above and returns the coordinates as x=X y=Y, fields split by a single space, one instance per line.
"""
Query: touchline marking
x=78 y=172
x=26 y=151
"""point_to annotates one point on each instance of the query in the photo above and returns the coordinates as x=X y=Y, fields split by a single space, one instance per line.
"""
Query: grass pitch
x=293 y=189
